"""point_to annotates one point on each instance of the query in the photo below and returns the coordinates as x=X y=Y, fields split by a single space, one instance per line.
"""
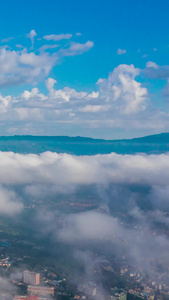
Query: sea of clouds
x=126 y=185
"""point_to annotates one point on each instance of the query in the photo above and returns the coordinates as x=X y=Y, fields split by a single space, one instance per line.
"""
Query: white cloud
x=32 y=35
x=94 y=108
x=50 y=82
x=18 y=67
x=45 y=175
x=117 y=103
x=59 y=37
x=19 y=46
x=4 y=103
x=29 y=113
x=48 y=47
x=7 y=40
x=9 y=204
x=122 y=89
x=90 y=226
x=120 y=181
x=155 y=71
x=65 y=94
x=94 y=95
x=77 y=48
x=26 y=66
x=151 y=64
x=121 y=51
x=33 y=94
x=63 y=172
x=64 y=169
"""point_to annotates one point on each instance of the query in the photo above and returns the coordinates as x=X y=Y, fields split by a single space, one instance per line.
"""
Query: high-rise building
x=31 y=277
x=18 y=276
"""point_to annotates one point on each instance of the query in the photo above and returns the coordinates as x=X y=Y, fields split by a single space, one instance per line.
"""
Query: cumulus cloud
x=65 y=94
x=4 y=103
x=120 y=100
x=27 y=66
x=18 y=67
x=117 y=96
x=122 y=88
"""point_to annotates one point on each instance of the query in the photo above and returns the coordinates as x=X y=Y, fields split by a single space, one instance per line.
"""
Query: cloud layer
x=129 y=196
x=65 y=173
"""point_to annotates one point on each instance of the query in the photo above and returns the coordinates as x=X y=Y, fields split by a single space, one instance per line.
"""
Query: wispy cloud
x=32 y=35
x=121 y=51
x=57 y=37
x=77 y=48
x=48 y=47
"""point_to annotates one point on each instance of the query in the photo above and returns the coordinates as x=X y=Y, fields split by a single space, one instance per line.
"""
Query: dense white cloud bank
x=63 y=173
x=123 y=185
x=65 y=169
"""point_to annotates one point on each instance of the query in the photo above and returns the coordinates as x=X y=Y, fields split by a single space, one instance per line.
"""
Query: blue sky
x=76 y=43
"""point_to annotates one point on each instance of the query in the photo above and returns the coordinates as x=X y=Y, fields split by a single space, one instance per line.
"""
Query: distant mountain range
x=158 y=143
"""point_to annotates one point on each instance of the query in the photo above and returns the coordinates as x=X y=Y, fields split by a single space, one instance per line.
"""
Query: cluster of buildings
x=27 y=298
x=37 y=293
x=49 y=285
x=26 y=276
x=34 y=290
